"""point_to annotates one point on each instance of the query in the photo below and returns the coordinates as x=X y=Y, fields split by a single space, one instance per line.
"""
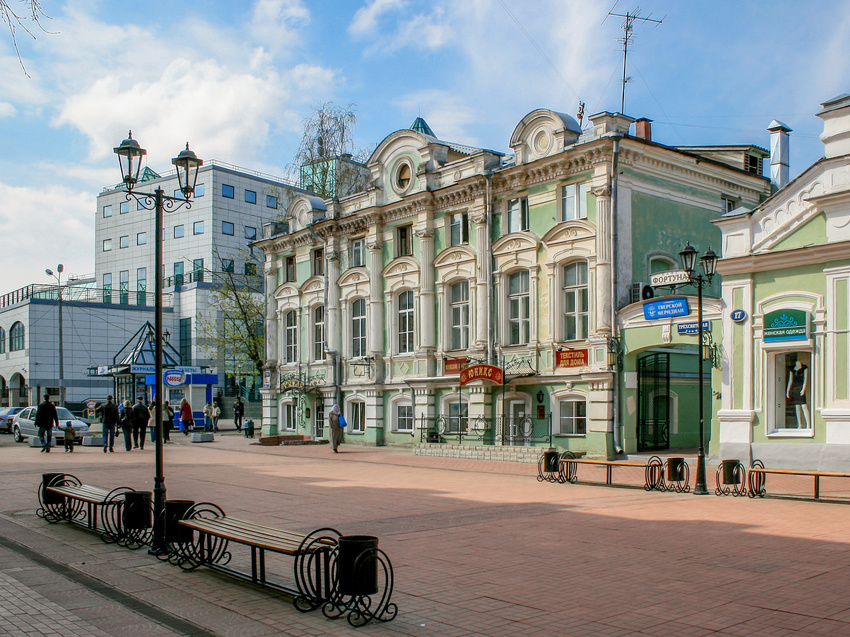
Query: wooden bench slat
x=802 y=472
x=250 y=533
x=612 y=463
x=85 y=493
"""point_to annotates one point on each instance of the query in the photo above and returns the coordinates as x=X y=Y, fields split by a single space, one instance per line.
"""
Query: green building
x=470 y=302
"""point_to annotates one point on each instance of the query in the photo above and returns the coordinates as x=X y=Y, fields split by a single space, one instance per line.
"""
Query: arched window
x=358 y=328
x=519 y=308
x=575 y=293
x=405 y=322
x=459 y=307
x=291 y=322
x=2 y=341
x=16 y=337
x=319 y=333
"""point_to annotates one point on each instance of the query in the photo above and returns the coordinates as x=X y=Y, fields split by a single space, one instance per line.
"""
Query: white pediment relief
x=514 y=243
x=286 y=291
x=774 y=223
x=312 y=285
x=453 y=255
x=401 y=267
x=568 y=231
x=353 y=276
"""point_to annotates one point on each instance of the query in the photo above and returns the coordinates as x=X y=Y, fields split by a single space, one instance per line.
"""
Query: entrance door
x=319 y=419
x=653 y=426
x=518 y=423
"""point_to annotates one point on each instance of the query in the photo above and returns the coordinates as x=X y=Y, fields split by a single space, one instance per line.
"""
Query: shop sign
x=786 y=325
x=174 y=378
x=482 y=372
x=571 y=358
x=91 y=406
x=666 y=307
x=693 y=328
x=738 y=316
x=454 y=365
x=671 y=277
x=142 y=369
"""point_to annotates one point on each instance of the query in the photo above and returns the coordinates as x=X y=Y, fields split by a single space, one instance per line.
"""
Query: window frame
x=289 y=269
x=107 y=245
x=458 y=309
x=319 y=342
x=406 y=321
x=581 y=317
x=250 y=196
x=398 y=418
x=317 y=259
x=271 y=199
x=358 y=252
x=124 y=208
x=404 y=241
x=357 y=420
x=228 y=225
x=17 y=337
x=124 y=242
x=458 y=230
x=141 y=238
x=572 y=419
x=107 y=211
x=182 y=230
x=521 y=301
x=227 y=265
x=517 y=215
x=250 y=233
x=358 y=328
x=228 y=191
x=290 y=327
x=576 y=193
x=196 y=225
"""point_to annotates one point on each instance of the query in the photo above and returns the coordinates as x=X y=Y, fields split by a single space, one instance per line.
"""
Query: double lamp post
x=130 y=156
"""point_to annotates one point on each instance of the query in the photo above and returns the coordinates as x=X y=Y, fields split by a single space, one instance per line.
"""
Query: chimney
x=836 y=126
x=643 y=128
x=778 y=154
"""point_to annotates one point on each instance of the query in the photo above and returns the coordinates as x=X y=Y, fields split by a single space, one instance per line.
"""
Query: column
x=271 y=382
x=333 y=332
x=482 y=293
x=375 y=421
x=375 y=316
x=604 y=247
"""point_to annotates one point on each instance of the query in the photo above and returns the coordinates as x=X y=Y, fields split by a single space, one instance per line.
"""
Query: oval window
x=402 y=179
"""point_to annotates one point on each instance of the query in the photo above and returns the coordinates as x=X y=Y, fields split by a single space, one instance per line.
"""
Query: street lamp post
x=58 y=276
x=130 y=156
x=709 y=265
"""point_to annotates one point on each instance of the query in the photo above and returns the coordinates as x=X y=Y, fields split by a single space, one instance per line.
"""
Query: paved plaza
x=478 y=547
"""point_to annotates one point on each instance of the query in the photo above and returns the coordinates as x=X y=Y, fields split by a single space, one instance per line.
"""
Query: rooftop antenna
x=627 y=39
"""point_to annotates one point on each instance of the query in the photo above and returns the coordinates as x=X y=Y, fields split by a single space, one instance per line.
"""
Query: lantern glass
x=689 y=258
x=709 y=262
x=187 y=164
x=130 y=159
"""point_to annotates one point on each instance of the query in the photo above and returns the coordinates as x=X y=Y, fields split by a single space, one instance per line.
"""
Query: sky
x=237 y=79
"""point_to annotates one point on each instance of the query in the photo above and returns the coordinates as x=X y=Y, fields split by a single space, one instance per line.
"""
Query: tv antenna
x=628 y=38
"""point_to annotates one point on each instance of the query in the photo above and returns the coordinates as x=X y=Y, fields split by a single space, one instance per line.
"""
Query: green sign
x=786 y=325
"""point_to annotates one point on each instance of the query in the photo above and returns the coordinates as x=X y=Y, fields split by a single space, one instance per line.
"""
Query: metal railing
x=81 y=295
x=500 y=430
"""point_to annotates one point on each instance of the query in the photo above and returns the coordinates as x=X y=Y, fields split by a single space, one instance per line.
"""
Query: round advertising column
x=357 y=565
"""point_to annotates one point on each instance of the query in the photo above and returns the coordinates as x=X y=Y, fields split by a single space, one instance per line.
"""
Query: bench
x=757 y=478
x=64 y=498
x=657 y=474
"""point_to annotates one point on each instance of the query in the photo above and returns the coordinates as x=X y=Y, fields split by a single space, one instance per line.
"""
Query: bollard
x=174 y=531
x=138 y=510
x=48 y=497
x=730 y=476
x=357 y=565
x=675 y=469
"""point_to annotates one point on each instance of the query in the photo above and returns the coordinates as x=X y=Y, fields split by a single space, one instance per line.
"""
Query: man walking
x=45 y=416
x=238 y=412
x=109 y=418
x=141 y=416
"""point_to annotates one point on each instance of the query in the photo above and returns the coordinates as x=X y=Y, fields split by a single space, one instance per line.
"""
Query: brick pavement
x=479 y=548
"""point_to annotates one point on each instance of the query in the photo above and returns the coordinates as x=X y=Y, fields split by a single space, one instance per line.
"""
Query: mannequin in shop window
x=798 y=380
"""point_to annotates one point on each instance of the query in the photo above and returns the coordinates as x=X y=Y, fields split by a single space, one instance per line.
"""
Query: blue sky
x=236 y=79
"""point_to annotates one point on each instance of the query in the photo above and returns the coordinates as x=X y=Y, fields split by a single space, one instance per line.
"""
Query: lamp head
x=187 y=164
x=48 y=272
x=689 y=257
x=130 y=159
x=709 y=262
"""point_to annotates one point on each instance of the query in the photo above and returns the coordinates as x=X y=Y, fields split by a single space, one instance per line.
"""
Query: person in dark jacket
x=238 y=412
x=141 y=416
x=126 y=422
x=45 y=417
x=109 y=418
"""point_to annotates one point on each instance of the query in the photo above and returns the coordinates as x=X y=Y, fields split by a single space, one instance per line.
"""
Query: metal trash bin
x=174 y=512
x=730 y=475
x=551 y=461
x=675 y=469
x=249 y=428
x=138 y=510
x=357 y=565
x=48 y=497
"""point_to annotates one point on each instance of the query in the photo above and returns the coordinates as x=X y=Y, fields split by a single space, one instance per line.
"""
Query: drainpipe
x=615 y=166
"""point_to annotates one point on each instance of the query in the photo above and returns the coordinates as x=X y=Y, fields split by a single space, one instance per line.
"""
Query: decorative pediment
x=354 y=276
x=304 y=210
x=286 y=291
x=543 y=133
x=453 y=262
x=401 y=273
x=569 y=231
x=515 y=243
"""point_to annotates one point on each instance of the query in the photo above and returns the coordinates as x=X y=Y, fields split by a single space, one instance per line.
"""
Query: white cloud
x=50 y=225
x=365 y=21
x=276 y=23
x=7 y=110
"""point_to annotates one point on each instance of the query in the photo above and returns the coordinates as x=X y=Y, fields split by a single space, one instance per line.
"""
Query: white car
x=24 y=425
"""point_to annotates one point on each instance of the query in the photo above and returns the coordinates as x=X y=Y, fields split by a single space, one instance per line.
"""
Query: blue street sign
x=693 y=328
x=666 y=307
x=738 y=315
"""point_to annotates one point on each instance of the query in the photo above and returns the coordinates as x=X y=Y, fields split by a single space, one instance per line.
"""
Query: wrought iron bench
x=658 y=475
x=757 y=478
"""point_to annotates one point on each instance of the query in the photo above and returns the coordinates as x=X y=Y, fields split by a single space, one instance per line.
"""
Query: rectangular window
x=141 y=286
x=227 y=191
x=518 y=214
x=107 y=211
x=318 y=262
x=574 y=202
x=250 y=196
x=405 y=322
x=250 y=233
x=198 y=270
x=792 y=389
x=124 y=287
x=124 y=242
x=227 y=265
x=271 y=201
x=358 y=253
x=107 y=245
x=519 y=309
x=178 y=273
x=179 y=232
x=576 y=295
x=289 y=269
x=141 y=238
x=290 y=416
x=319 y=333
x=199 y=191
x=572 y=419
x=729 y=205
x=404 y=418
x=250 y=268
x=458 y=420
x=185 y=341
x=107 y=287
x=198 y=227
x=291 y=327
x=358 y=417
x=459 y=303
x=123 y=207
x=459 y=229
x=227 y=228
x=358 y=328
x=404 y=241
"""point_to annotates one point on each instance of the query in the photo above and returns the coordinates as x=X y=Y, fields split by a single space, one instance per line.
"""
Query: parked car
x=23 y=425
x=7 y=415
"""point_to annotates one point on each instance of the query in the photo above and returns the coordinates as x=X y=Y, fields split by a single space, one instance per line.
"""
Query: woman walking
x=186 y=417
x=126 y=423
x=336 y=428
x=167 y=422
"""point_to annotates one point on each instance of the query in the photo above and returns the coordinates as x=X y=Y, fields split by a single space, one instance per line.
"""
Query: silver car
x=24 y=425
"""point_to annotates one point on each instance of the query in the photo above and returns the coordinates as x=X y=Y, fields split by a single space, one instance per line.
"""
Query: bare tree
x=326 y=162
x=30 y=11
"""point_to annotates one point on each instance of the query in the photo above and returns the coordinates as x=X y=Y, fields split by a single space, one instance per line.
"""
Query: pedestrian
x=186 y=419
x=336 y=428
x=109 y=416
x=68 y=430
x=45 y=417
x=216 y=414
x=167 y=422
x=126 y=422
x=208 y=416
x=141 y=416
x=238 y=412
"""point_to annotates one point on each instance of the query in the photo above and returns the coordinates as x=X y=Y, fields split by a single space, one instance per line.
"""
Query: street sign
x=665 y=308
x=693 y=328
x=738 y=315
x=671 y=277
